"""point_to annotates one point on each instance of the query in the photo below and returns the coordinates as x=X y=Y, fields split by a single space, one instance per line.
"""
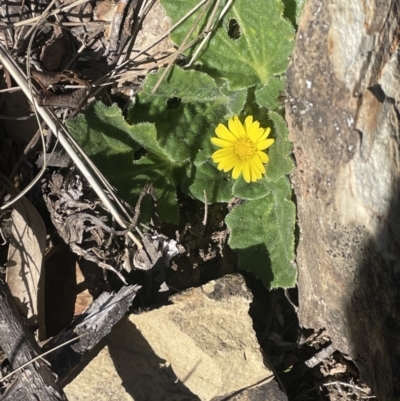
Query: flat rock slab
x=201 y=347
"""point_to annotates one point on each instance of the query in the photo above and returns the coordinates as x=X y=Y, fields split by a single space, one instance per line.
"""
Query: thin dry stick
x=156 y=41
x=208 y=30
x=180 y=49
x=135 y=29
x=115 y=28
x=40 y=357
x=42 y=17
x=205 y=208
x=34 y=20
x=28 y=68
x=83 y=154
x=129 y=75
x=61 y=132
x=67 y=7
x=103 y=180
x=12 y=90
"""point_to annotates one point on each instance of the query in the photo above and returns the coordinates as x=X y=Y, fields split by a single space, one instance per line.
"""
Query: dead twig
x=62 y=134
x=181 y=47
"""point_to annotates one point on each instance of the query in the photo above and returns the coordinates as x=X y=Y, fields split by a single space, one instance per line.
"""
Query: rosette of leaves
x=167 y=137
x=173 y=128
x=261 y=227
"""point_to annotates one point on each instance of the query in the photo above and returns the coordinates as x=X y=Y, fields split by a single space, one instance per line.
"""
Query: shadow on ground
x=125 y=368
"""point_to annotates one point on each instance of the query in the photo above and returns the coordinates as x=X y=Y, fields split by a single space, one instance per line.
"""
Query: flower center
x=245 y=149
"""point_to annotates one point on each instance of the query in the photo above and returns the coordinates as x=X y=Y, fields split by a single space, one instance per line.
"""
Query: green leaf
x=267 y=95
x=300 y=4
x=185 y=109
x=163 y=177
x=262 y=233
x=252 y=43
x=108 y=139
x=251 y=190
x=280 y=161
x=237 y=100
x=293 y=10
x=104 y=132
x=206 y=177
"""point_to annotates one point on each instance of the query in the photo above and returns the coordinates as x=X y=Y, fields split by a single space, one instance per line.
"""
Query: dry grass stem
x=181 y=47
x=40 y=357
x=61 y=132
x=126 y=65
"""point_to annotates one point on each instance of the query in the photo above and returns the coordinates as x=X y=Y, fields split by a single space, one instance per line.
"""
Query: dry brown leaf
x=24 y=276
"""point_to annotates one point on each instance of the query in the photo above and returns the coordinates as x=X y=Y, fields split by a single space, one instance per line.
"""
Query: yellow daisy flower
x=242 y=148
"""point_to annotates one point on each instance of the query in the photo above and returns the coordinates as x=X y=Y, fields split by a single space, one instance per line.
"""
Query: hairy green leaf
x=104 y=132
x=163 y=177
x=251 y=190
x=293 y=10
x=185 y=109
x=262 y=233
x=280 y=161
x=252 y=43
x=206 y=177
x=237 y=100
x=108 y=139
x=268 y=94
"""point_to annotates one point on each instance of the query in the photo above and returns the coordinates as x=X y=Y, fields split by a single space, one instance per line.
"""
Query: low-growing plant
x=216 y=127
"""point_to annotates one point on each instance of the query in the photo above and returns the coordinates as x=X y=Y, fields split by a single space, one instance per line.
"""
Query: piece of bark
x=94 y=324
x=38 y=382
x=342 y=109
x=14 y=392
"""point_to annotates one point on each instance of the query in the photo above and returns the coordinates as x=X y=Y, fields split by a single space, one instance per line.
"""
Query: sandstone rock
x=343 y=113
x=201 y=347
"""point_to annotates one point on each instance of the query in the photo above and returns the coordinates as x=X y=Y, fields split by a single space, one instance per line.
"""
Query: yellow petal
x=219 y=166
x=264 y=144
x=248 y=122
x=222 y=143
x=224 y=152
x=218 y=159
x=256 y=133
x=266 y=133
x=255 y=173
x=232 y=128
x=254 y=177
x=236 y=127
x=220 y=155
x=246 y=172
x=257 y=165
x=237 y=170
x=228 y=163
x=222 y=132
x=263 y=157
